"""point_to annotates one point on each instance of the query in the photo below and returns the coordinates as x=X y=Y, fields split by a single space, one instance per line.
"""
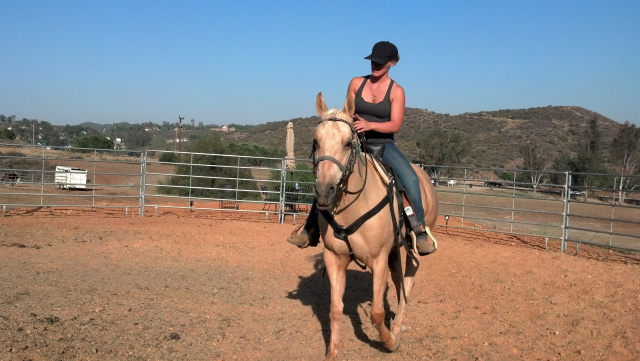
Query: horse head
x=335 y=144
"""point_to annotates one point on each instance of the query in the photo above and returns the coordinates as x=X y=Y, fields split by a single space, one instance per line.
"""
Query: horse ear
x=321 y=107
x=350 y=105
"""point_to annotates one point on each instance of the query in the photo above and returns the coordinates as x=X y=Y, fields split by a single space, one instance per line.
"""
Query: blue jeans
x=406 y=176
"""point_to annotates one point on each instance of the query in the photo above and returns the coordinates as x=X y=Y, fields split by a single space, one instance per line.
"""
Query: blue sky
x=253 y=62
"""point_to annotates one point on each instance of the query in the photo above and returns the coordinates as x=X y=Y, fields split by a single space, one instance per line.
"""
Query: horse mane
x=336 y=113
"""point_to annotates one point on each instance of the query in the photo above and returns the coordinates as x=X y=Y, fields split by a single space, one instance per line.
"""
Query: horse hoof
x=395 y=346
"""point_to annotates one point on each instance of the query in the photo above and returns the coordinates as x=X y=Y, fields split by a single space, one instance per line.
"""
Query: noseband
x=346 y=170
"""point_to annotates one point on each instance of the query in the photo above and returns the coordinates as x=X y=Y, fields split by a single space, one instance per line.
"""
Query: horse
x=10 y=179
x=356 y=224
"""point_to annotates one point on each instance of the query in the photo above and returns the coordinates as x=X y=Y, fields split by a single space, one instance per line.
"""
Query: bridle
x=356 y=140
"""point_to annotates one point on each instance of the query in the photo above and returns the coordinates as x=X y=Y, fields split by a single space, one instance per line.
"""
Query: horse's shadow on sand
x=315 y=291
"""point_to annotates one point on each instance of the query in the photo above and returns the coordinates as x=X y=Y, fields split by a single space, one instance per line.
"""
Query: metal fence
x=111 y=179
x=519 y=202
x=543 y=204
x=199 y=181
x=153 y=181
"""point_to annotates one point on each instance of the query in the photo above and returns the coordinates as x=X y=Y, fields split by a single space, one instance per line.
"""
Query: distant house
x=119 y=144
x=224 y=128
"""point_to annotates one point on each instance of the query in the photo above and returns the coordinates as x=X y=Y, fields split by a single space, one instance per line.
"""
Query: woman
x=379 y=108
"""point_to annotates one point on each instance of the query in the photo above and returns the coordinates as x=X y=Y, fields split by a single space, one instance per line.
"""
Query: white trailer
x=69 y=177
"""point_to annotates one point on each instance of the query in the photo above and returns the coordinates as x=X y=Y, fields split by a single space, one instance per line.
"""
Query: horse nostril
x=331 y=192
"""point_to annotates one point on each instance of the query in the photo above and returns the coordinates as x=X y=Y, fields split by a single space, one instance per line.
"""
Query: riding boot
x=424 y=245
x=310 y=234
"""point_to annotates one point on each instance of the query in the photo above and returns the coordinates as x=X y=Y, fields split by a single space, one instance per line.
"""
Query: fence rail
x=601 y=211
x=543 y=204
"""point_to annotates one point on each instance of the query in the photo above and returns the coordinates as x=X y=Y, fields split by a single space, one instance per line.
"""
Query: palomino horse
x=350 y=196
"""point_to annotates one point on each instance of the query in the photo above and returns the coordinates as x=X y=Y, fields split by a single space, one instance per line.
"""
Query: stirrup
x=414 y=241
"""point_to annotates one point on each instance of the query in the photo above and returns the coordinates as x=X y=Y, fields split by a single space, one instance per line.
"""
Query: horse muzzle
x=326 y=194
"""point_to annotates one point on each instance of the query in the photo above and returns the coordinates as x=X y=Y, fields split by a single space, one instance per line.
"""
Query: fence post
x=283 y=175
x=613 y=208
x=190 y=175
x=93 y=178
x=513 y=200
x=42 y=177
x=464 y=197
x=237 y=184
x=143 y=182
x=565 y=211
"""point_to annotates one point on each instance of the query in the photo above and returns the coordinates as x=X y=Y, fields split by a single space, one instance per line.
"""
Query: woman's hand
x=361 y=125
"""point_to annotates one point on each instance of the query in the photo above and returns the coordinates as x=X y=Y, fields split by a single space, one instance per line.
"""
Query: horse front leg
x=380 y=274
x=337 y=273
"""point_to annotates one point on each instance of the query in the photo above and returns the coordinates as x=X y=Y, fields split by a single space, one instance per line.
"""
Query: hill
x=96 y=126
x=496 y=135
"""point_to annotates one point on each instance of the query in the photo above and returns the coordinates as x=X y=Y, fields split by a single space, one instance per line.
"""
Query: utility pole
x=179 y=141
x=178 y=146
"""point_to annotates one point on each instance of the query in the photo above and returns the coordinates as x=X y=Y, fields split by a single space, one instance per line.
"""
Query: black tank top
x=375 y=112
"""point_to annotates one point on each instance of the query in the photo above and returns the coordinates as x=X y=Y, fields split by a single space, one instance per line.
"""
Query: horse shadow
x=315 y=291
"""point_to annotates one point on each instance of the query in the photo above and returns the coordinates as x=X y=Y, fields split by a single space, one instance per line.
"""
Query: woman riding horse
x=379 y=108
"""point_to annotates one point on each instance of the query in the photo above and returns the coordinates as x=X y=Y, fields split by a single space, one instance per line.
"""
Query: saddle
x=376 y=151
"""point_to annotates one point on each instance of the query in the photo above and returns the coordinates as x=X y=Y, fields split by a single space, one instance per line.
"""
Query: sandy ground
x=96 y=285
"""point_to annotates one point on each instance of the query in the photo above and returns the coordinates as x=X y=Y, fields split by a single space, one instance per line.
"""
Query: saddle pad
x=382 y=171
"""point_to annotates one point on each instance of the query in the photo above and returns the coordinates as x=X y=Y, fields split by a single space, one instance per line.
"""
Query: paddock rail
x=563 y=207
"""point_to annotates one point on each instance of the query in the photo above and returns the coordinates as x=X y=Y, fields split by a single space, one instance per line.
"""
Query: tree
x=136 y=136
x=441 y=148
x=94 y=142
x=50 y=135
x=589 y=154
x=625 y=148
x=535 y=161
x=7 y=134
x=168 y=126
x=150 y=125
x=70 y=132
x=24 y=129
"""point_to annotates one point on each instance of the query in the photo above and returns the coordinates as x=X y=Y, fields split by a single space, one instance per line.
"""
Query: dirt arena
x=97 y=285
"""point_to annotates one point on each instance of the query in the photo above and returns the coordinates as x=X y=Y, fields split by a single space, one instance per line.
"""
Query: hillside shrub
x=93 y=142
x=167 y=157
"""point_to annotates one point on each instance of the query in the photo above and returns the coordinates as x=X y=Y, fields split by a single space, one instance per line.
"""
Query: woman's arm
x=397 y=110
x=354 y=84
